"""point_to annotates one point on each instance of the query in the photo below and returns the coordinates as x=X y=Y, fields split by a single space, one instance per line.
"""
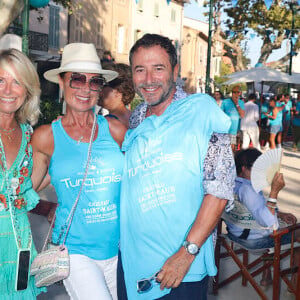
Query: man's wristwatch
x=191 y=248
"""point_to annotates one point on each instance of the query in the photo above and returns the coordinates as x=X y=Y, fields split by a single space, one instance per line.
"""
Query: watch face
x=192 y=249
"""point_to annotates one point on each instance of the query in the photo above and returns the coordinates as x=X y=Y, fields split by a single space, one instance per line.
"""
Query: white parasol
x=259 y=74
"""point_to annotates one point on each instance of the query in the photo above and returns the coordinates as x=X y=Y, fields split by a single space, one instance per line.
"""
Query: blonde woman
x=19 y=107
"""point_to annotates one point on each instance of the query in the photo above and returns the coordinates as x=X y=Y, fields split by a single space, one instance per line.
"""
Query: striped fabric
x=51 y=266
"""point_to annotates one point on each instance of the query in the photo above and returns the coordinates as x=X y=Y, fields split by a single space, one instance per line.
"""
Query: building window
x=200 y=54
x=78 y=28
x=54 y=27
x=99 y=38
x=140 y=5
x=173 y=15
x=156 y=10
x=121 y=38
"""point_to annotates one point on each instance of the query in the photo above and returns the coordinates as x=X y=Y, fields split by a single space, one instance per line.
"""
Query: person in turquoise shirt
x=234 y=108
x=166 y=216
x=296 y=124
x=264 y=107
x=286 y=123
x=275 y=120
x=62 y=148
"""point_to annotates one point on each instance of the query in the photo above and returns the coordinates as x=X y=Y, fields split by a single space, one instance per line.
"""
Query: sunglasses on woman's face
x=78 y=81
x=145 y=284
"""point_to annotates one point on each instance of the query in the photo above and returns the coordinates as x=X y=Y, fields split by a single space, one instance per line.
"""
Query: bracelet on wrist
x=272 y=200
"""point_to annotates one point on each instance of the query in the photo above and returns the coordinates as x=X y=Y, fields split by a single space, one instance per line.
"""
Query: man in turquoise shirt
x=167 y=217
x=234 y=108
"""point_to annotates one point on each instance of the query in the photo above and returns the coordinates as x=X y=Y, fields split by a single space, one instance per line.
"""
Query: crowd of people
x=264 y=123
x=156 y=180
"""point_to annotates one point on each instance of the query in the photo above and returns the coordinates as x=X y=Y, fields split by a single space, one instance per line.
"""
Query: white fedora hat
x=81 y=58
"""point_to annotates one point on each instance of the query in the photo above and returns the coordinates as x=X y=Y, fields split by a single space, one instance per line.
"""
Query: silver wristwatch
x=191 y=248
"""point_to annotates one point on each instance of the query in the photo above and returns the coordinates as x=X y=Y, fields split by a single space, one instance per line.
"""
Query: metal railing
x=37 y=40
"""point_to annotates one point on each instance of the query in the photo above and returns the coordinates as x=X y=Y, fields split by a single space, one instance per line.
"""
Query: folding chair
x=268 y=257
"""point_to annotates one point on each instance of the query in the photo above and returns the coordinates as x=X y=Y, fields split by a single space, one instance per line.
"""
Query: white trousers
x=92 y=279
x=253 y=135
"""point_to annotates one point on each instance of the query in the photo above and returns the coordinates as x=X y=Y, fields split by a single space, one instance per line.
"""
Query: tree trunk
x=9 y=10
x=267 y=48
x=238 y=62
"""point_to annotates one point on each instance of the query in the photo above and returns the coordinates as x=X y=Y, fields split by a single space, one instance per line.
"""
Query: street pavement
x=288 y=201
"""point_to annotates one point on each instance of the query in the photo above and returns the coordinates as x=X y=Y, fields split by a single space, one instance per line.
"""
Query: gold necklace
x=7 y=132
x=149 y=109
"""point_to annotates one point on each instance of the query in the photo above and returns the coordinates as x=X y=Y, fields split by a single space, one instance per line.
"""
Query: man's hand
x=174 y=269
x=277 y=185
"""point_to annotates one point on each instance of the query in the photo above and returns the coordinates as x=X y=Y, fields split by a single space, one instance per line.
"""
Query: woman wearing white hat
x=62 y=148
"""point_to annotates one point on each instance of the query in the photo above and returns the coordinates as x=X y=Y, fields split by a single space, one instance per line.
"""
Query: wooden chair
x=267 y=258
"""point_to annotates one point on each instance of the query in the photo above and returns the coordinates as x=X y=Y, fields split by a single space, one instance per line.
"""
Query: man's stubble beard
x=163 y=97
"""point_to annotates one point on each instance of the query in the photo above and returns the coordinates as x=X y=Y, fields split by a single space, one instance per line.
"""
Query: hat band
x=83 y=65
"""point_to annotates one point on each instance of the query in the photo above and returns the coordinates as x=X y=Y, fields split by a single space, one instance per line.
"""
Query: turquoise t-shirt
x=296 y=120
x=264 y=109
x=287 y=110
x=279 y=116
x=94 y=230
x=278 y=120
x=162 y=189
x=230 y=110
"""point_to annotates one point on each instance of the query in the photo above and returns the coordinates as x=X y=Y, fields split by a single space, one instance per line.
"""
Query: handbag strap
x=67 y=225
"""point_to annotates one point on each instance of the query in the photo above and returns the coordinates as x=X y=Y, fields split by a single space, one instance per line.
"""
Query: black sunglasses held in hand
x=145 y=284
x=78 y=81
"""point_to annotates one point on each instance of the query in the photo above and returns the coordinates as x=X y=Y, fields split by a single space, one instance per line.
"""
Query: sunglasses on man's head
x=145 y=284
x=78 y=81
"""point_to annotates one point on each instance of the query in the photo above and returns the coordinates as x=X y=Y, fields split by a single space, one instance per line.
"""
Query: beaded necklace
x=13 y=186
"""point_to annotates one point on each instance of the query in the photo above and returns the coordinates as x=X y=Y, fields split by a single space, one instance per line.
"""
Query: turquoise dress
x=16 y=198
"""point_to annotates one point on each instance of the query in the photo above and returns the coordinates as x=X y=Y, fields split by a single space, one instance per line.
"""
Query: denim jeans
x=121 y=288
x=186 y=291
x=196 y=290
x=261 y=243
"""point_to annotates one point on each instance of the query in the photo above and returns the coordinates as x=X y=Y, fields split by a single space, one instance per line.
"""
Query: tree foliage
x=219 y=80
x=253 y=16
x=72 y=6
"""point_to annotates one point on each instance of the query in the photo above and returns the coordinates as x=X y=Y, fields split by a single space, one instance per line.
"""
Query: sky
x=195 y=11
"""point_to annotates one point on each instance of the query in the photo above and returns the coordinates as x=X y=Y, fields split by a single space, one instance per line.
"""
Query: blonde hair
x=22 y=69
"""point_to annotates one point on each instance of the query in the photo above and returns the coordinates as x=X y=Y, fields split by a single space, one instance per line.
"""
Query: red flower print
x=24 y=171
x=19 y=203
x=18 y=190
x=21 y=180
x=3 y=200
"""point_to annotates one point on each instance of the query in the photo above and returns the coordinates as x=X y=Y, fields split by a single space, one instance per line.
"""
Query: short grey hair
x=21 y=68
